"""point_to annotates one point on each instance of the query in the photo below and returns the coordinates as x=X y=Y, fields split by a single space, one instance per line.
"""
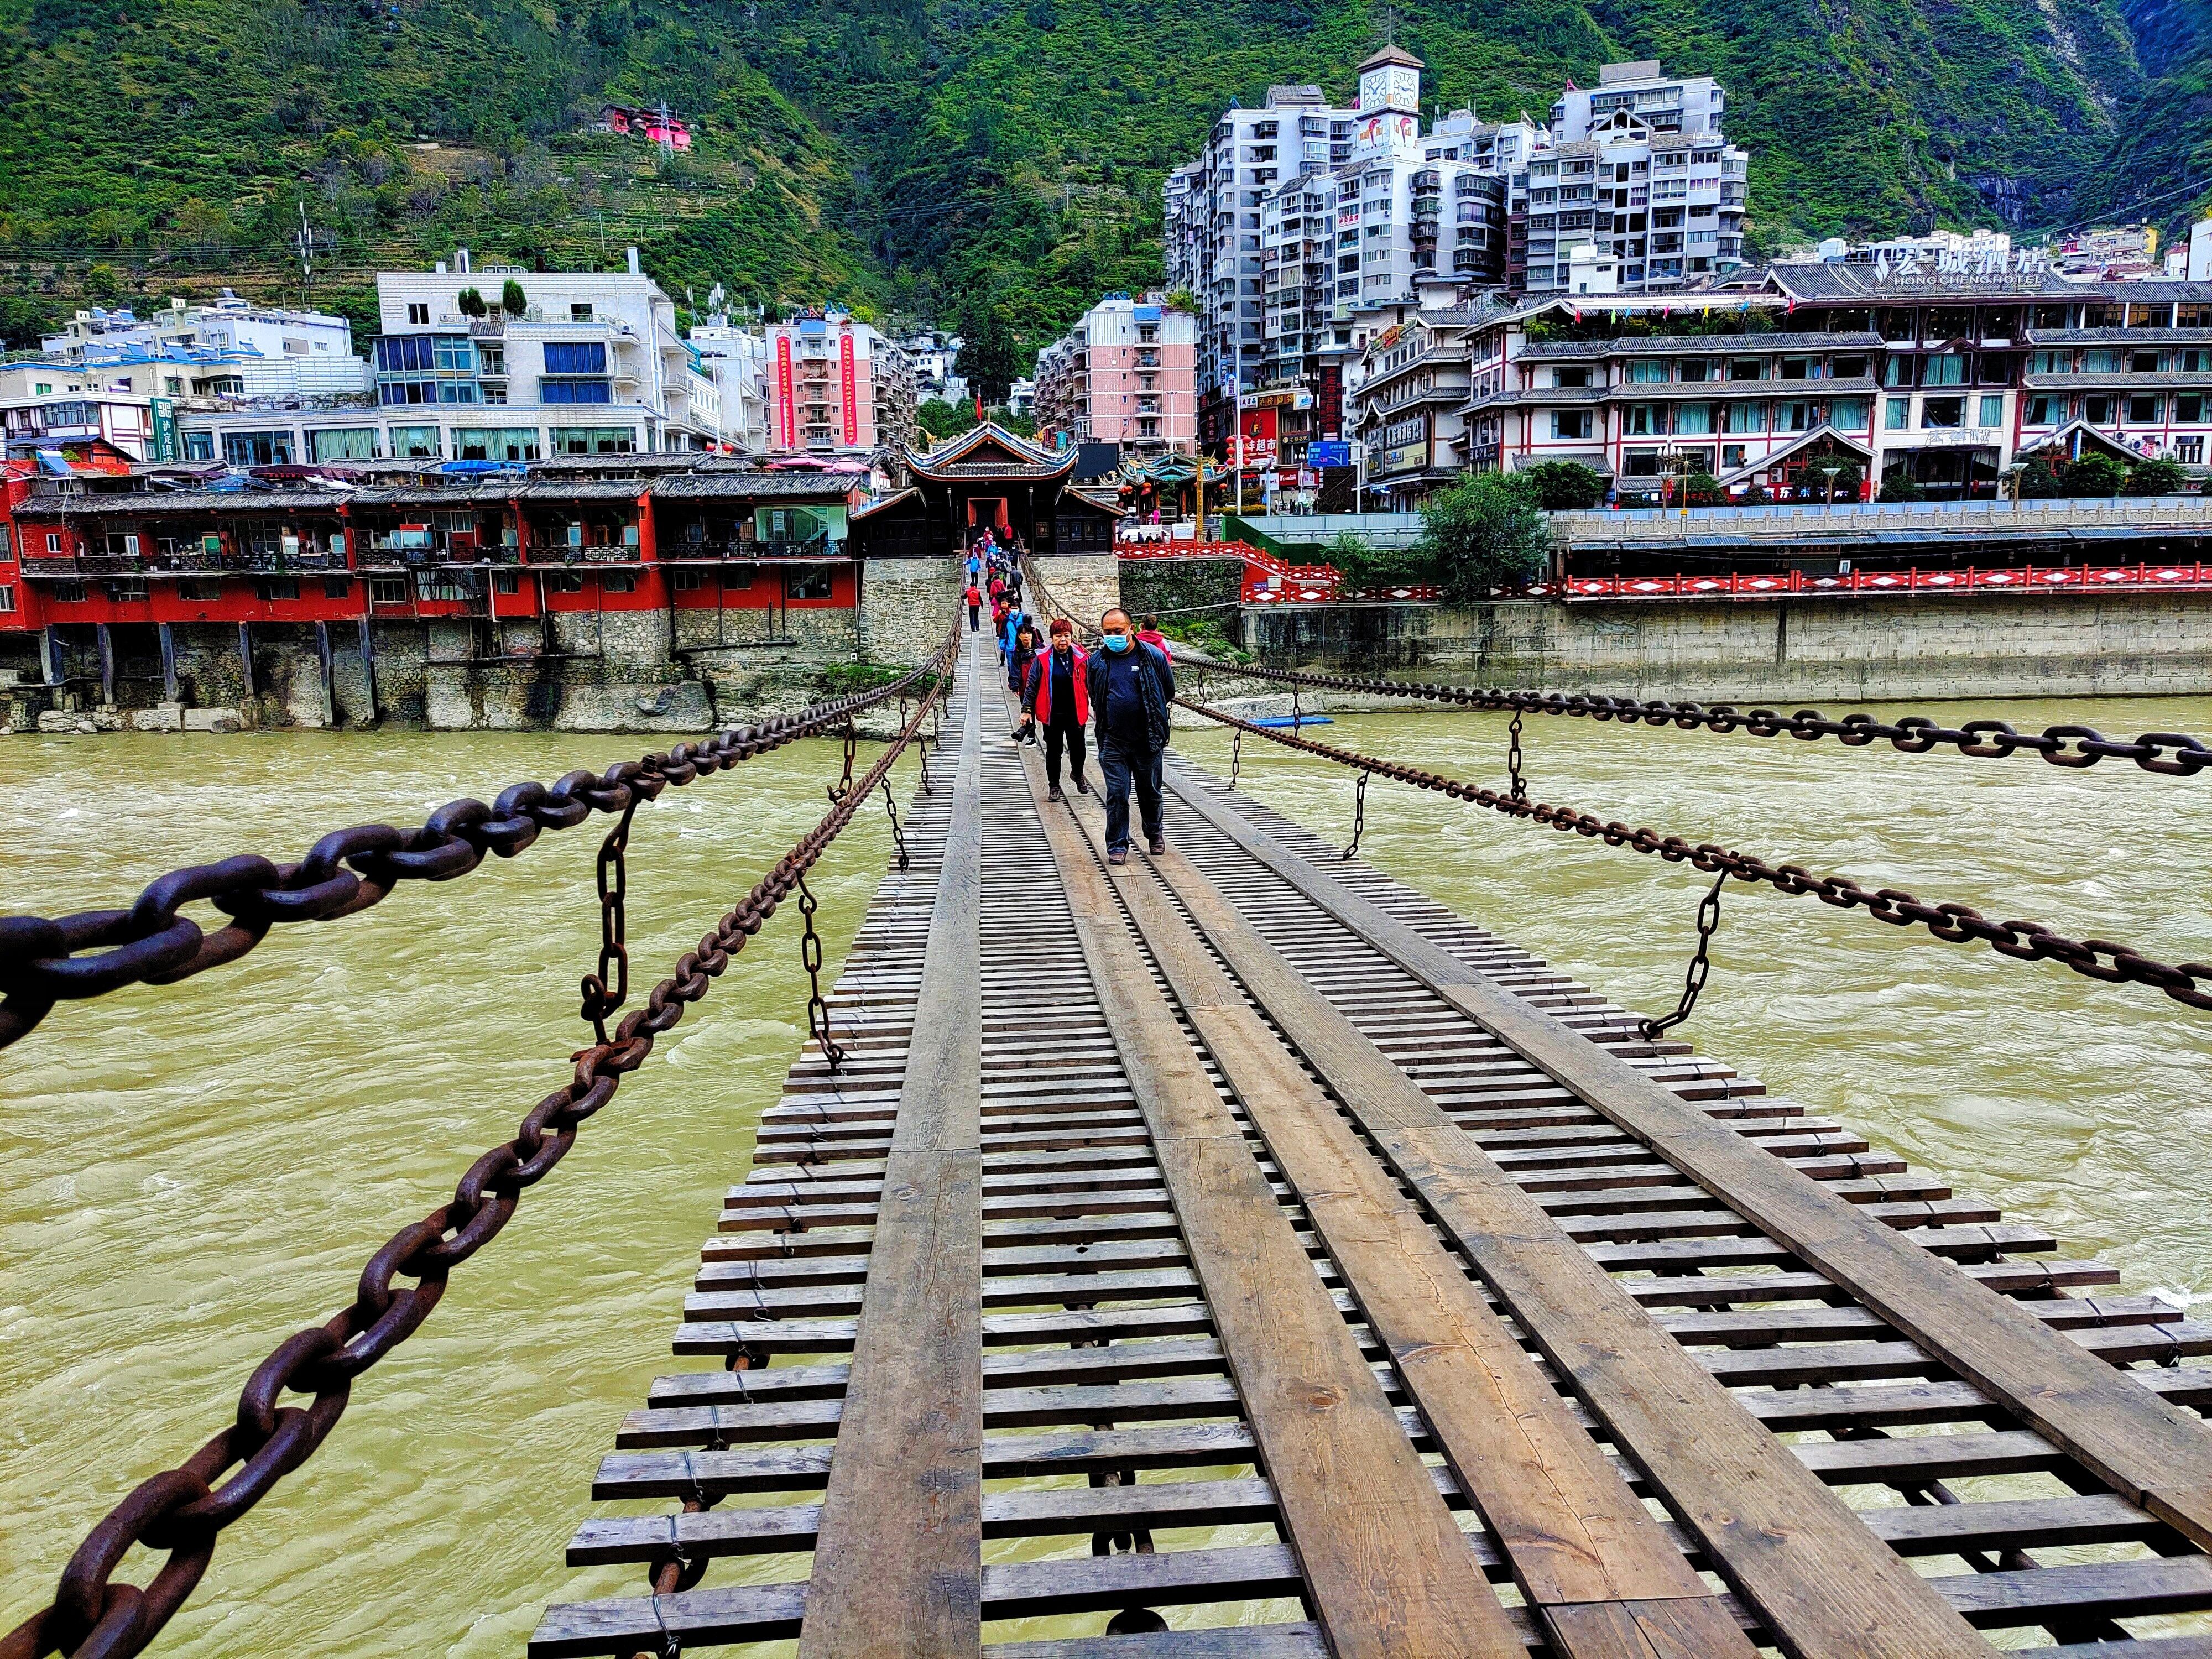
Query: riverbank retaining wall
x=1777 y=653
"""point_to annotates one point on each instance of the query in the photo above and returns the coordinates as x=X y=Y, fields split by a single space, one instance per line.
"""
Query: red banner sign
x=786 y=407
x=848 y=371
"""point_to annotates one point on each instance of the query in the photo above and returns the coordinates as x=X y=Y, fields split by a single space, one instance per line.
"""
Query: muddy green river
x=188 y=1174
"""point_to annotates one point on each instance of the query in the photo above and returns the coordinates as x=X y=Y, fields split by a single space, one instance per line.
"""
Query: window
x=2043 y=410
x=1848 y=414
x=495 y=443
x=453 y=354
x=1850 y=368
x=1942 y=412
x=7 y=598
x=256 y=448
x=807 y=581
x=269 y=588
x=1991 y=412
x=387 y=590
x=2100 y=411
x=126 y=590
x=1697 y=369
x=1571 y=376
x=1693 y=418
x=414 y=443
x=575 y=357
x=564 y=581
x=295 y=348
x=351 y=444
x=1945 y=368
x=594 y=440
x=1644 y=420
x=455 y=391
x=199 y=590
x=7 y=543
x=2187 y=408
x=2142 y=363
x=418 y=313
x=1744 y=417
x=618 y=581
x=2190 y=451
x=2143 y=409
x=1746 y=368
x=123 y=543
x=1893 y=413
x=1570 y=423
x=1647 y=372
x=2103 y=360
x=1793 y=417
x=689 y=581
x=70 y=592
x=580 y=311
x=507 y=582
x=574 y=392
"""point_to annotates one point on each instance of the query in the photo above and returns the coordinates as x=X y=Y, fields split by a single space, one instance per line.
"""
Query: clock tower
x=1390 y=83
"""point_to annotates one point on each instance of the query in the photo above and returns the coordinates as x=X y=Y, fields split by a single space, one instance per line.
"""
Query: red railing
x=1769 y=584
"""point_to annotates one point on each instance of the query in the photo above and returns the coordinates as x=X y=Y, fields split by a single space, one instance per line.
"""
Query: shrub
x=2159 y=477
x=1565 y=486
x=2094 y=475
x=472 y=303
x=1703 y=489
x=512 y=300
x=1483 y=532
x=1896 y=487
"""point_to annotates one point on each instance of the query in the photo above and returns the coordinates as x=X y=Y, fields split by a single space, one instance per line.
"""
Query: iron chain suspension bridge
x=1253 y=1196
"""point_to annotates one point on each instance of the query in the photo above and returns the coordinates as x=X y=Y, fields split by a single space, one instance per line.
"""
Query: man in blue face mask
x=1130 y=685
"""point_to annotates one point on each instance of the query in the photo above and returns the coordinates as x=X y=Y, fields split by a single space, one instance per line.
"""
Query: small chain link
x=840 y=789
x=809 y=957
x=1358 y=814
x=898 y=835
x=613 y=876
x=1236 y=754
x=1693 y=981
x=1513 y=759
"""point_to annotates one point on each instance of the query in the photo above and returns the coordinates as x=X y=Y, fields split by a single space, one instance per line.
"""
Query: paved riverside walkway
x=1236 y=1254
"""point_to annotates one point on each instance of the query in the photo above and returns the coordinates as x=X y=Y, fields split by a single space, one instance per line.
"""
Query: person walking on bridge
x=975 y=608
x=1132 y=685
x=1058 y=696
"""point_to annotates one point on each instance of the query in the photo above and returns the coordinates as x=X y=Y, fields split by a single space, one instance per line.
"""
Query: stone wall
x=1187 y=590
x=1867 y=649
x=906 y=605
x=1084 y=585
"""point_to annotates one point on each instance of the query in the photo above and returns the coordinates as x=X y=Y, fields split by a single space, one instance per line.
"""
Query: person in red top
x=998 y=584
x=975 y=608
x=1149 y=632
x=1057 y=700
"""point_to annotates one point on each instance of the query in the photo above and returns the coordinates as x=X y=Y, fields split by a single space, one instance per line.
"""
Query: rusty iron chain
x=47 y=959
x=1358 y=814
x=810 y=957
x=2171 y=754
x=1236 y=757
x=1520 y=784
x=612 y=875
x=838 y=790
x=2103 y=960
x=1701 y=964
x=182 y=1510
x=898 y=834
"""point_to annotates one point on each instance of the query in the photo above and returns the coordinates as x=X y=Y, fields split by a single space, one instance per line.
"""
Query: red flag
x=979 y=409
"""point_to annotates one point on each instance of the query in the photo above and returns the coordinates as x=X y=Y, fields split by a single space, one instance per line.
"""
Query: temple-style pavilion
x=987 y=477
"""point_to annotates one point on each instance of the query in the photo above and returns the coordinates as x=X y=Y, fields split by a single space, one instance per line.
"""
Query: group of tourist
x=1124 y=688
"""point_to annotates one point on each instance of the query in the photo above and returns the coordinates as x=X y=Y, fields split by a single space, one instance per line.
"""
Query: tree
x=1022 y=425
x=512 y=300
x=1565 y=486
x=988 y=352
x=2162 y=476
x=1486 y=531
x=2094 y=475
x=472 y=303
x=940 y=419
x=1897 y=487
x=1833 y=474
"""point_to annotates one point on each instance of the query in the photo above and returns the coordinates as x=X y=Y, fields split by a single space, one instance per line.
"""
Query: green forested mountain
x=987 y=163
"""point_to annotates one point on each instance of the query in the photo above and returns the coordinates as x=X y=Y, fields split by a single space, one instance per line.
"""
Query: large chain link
x=2173 y=754
x=613 y=878
x=2024 y=941
x=182 y=1509
x=47 y=959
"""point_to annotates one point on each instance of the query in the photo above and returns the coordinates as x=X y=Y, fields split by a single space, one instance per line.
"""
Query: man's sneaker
x=1157 y=845
x=1055 y=795
x=1082 y=784
x=1119 y=855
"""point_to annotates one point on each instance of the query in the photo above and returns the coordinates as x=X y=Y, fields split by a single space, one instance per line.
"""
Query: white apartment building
x=590 y=365
x=736 y=360
x=1641 y=170
x=229 y=348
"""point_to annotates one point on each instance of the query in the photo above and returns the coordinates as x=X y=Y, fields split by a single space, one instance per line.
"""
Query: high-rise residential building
x=1126 y=374
x=837 y=386
x=1641 y=170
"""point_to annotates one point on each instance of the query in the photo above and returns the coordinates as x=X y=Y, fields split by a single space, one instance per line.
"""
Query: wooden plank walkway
x=1237 y=1256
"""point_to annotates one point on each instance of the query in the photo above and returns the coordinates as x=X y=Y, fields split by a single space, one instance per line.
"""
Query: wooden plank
x=1821 y=1581
x=2151 y=1452
x=898 y=1567
x=1385 y=1565
x=1571 y=1528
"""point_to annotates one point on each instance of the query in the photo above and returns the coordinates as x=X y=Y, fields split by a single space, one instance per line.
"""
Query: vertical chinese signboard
x=848 y=375
x=1330 y=417
x=787 y=407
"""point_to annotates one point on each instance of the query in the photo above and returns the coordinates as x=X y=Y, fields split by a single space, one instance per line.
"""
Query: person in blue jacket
x=1130 y=685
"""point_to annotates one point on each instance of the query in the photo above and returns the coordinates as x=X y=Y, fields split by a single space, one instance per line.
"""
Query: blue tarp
x=478 y=468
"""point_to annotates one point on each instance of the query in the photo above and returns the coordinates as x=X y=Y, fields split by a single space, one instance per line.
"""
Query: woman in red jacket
x=1059 y=702
x=975 y=608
